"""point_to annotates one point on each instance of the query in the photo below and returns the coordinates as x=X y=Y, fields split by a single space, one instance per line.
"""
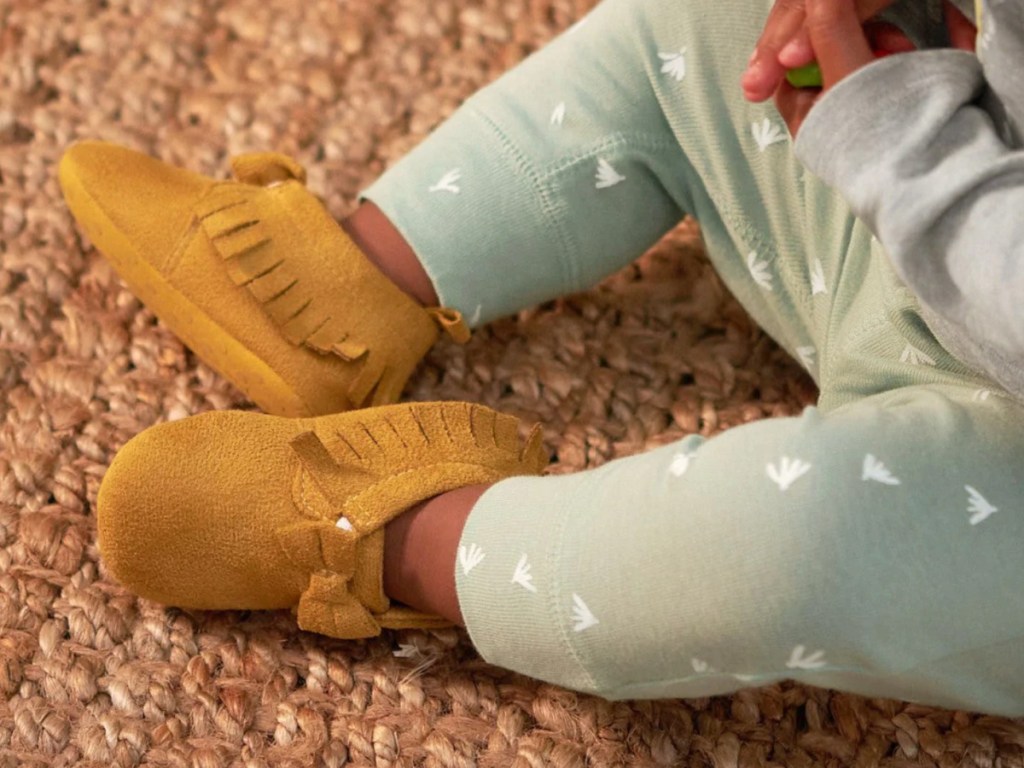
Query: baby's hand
x=840 y=46
x=786 y=43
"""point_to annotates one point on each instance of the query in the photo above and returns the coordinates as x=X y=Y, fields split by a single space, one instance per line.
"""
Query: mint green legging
x=872 y=544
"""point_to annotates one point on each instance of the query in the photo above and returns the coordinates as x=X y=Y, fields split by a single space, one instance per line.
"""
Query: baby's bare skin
x=388 y=250
x=420 y=550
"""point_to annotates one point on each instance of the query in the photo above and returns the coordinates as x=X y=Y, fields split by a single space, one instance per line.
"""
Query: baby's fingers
x=799 y=51
x=764 y=72
x=838 y=38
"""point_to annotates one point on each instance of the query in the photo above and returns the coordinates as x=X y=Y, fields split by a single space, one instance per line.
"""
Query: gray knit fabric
x=926 y=149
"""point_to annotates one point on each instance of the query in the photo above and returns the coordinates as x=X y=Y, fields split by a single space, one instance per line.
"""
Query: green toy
x=807 y=76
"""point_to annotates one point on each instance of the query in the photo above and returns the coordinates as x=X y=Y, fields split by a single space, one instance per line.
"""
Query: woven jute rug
x=92 y=676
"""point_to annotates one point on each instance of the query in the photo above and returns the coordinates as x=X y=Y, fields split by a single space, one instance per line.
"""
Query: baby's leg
x=558 y=174
x=874 y=549
x=570 y=165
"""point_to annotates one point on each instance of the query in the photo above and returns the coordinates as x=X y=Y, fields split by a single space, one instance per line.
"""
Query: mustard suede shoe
x=239 y=510
x=255 y=276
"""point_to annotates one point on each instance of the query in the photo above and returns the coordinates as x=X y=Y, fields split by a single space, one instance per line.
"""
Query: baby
x=870 y=544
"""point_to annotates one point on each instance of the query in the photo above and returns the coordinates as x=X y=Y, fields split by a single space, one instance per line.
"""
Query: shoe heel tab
x=451 y=322
x=264 y=168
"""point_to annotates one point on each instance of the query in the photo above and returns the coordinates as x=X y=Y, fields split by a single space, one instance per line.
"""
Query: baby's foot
x=255 y=276
x=239 y=510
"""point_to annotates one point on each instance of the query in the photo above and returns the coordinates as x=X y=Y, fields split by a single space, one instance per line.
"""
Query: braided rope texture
x=92 y=676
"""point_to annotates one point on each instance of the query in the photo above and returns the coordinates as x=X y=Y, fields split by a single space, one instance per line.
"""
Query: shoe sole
x=197 y=330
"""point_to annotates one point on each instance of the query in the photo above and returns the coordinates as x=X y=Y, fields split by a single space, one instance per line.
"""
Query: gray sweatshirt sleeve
x=924 y=148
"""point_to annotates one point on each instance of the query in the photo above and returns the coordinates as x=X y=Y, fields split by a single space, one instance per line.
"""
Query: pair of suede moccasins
x=238 y=510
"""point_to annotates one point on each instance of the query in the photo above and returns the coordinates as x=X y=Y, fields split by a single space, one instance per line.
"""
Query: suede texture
x=255 y=276
x=240 y=510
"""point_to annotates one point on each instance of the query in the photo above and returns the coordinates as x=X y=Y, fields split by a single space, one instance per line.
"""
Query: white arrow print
x=818 y=278
x=788 y=472
x=447 y=182
x=681 y=463
x=759 y=270
x=522 y=575
x=581 y=614
x=978 y=506
x=767 y=133
x=915 y=356
x=877 y=471
x=701 y=667
x=797 y=660
x=558 y=116
x=471 y=558
x=675 y=64
x=606 y=175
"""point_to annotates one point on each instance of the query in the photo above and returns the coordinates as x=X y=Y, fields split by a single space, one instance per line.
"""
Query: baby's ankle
x=383 y=245
x=420 y=551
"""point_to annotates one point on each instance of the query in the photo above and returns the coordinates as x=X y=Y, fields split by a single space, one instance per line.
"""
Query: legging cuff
x=462 y=199
x=507 y=577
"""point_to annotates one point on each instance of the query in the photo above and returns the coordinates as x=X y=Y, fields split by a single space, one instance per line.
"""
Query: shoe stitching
x=309 y=504
x=186 y=238
x=174 y=260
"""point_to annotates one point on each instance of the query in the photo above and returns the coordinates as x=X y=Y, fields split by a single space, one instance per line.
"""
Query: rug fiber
x=92 y=676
